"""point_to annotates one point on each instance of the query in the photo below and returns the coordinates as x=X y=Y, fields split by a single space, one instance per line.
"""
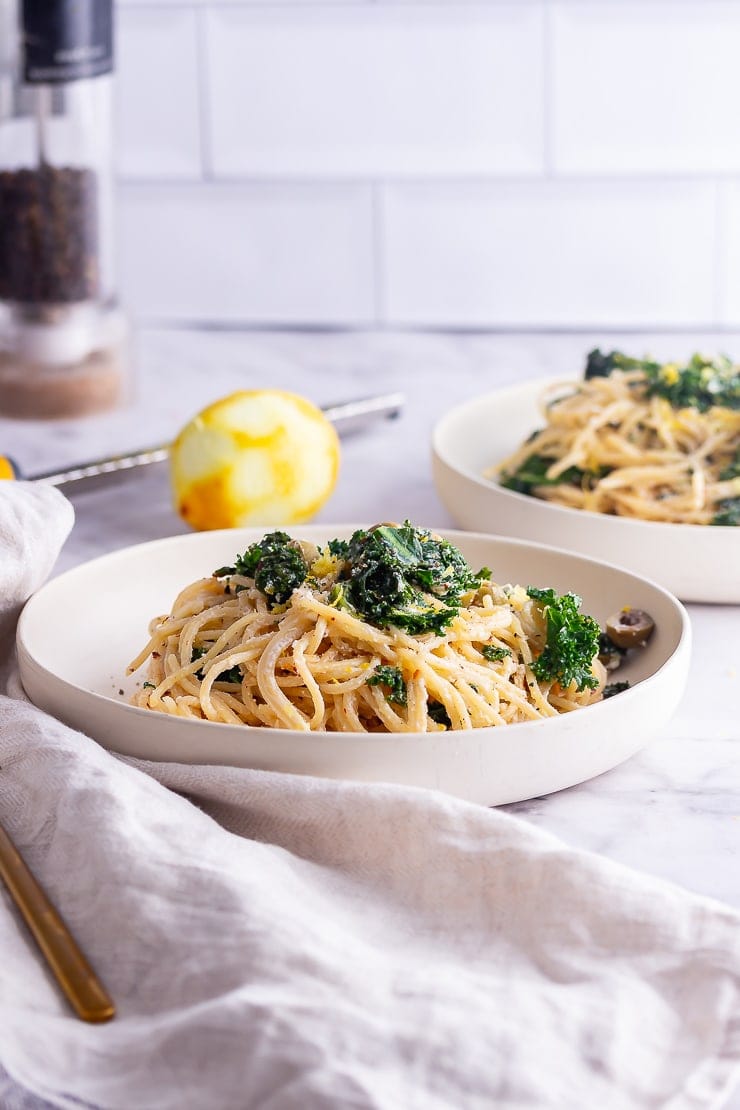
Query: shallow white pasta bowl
x=79 y=632
x=696 y=562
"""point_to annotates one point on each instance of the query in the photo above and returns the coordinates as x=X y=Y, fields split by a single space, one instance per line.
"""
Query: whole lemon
x=258 y=456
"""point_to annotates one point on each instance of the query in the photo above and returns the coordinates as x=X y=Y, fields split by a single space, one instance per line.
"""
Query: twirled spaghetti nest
x=224 y=653
x=610 y=445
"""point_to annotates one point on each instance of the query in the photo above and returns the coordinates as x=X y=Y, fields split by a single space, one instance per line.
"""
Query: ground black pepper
x=48 y=235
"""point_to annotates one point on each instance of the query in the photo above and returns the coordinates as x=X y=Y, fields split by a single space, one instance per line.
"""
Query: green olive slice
x=610 y=655
x=630 y=628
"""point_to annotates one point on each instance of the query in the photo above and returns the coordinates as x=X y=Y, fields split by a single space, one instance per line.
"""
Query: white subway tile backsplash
x=247 y=253
x=375 y=89
x=537 y=162
x=549 y=254
x=645 y=86
x=157 y=79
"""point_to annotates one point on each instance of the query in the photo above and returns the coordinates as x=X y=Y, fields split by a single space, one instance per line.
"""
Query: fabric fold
x=282 y=942
x=35 y=520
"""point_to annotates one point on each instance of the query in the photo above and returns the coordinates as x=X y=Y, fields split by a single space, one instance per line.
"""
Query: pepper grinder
x=62 y=333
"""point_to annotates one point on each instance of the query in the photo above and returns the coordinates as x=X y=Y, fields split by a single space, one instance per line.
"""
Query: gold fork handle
x=84 y=991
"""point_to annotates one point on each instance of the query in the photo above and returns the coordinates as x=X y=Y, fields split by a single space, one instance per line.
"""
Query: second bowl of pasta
x=607 y=468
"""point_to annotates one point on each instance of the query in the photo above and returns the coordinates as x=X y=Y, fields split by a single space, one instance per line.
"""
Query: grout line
x=305 y=5
x=462 y=180
x=260 y=5
x=577 y=329
x=547 y=92
x=720 y=268
x=378 y=252
x=231 y=5
x=203 y=89
x=349 y=5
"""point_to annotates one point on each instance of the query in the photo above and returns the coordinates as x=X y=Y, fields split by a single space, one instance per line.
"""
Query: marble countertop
x=674 y=809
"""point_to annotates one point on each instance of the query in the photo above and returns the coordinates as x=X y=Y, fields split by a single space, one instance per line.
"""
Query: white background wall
x=513 y=163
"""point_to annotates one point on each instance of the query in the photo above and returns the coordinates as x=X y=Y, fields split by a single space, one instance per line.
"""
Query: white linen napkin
x=291 y=943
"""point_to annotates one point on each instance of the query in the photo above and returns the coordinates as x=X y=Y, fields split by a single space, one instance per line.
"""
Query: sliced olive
x=610 y=655
x=630 y=628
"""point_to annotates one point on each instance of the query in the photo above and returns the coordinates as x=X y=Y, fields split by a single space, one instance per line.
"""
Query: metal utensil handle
x=351 y=416
x=98 y=468
x=84 y=991
x=348 y=416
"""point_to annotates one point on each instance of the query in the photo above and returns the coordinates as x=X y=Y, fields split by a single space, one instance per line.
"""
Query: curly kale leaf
x=439 y=714
x=732 y=470
x=699 y=384
x=494 y=654
x=600 y=364
x=339 y=548
x=406 y=578
x=224 y=572
x=233 y=674
x=615 y=688
x=572 y=641
x=728 y=512
x=533 y=472
x=276 y=564
x=431 y=563
x=393 y=680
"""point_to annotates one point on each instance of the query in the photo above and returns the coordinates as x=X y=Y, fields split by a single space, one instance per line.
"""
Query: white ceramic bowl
x=696 y=562
x=77 y=634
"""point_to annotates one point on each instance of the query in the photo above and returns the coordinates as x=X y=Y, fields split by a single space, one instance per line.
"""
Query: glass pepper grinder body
x=61 y=331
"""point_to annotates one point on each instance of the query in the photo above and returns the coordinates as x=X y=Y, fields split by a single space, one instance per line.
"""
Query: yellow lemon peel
x=262 y=456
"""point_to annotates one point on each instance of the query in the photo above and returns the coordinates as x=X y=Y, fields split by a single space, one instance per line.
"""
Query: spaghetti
x=229 y=651
x=639 y=439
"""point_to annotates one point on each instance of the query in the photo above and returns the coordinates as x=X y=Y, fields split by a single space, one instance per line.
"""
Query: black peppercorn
x=48 y=235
